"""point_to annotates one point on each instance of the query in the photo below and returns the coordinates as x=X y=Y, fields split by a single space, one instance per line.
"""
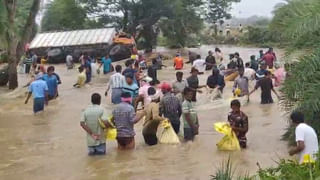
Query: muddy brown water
x=52 y=145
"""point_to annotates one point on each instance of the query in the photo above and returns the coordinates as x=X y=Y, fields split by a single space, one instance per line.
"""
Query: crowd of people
x=137 y=94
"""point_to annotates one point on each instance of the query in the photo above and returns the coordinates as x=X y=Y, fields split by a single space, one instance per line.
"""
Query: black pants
x=150 y=139
x=27 y=68
x=176 y=126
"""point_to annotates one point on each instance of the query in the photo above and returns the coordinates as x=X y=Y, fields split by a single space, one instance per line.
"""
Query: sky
x=247 y=8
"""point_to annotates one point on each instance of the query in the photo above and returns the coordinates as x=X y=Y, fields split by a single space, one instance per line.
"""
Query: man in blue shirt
x=52 y=83
x=130 y=87
x=106 y=62
x=39 y=90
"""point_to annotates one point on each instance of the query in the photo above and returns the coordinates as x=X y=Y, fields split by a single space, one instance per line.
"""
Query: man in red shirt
x=178 y=62
x=269 y=58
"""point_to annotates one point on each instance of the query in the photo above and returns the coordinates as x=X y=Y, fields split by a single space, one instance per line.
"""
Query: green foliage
x=218 y=10
x=287 y=169
x=301 y=89
x=179 y=20
x=225 y=171
x=64 y=15
x=259 y=35
x=180 y=29
x=298 y=22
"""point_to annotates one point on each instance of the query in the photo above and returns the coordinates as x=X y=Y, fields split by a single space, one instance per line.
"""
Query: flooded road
x=52 y=145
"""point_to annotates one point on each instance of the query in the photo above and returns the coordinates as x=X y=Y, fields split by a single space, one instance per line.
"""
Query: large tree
x=64 y=15
x=17 y=34
x=179 y=18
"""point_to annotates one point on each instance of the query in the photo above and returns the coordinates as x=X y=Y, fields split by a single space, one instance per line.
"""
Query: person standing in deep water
x=96 y=140
x=193 y=83
x=239 y=122
x=210 y=60
x=124 y=118
x=266 y=86
x=190 y=116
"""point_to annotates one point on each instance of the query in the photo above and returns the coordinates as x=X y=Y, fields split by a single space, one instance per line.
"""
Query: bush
x=259 y=35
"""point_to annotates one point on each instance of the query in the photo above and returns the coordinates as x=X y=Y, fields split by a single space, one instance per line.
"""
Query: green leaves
x=64 y=15
x=298 y=22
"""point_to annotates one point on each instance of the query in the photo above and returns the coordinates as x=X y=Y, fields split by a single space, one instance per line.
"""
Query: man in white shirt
x=116 y=84
x=306 y=138
x=199 y=64
x=249 y=72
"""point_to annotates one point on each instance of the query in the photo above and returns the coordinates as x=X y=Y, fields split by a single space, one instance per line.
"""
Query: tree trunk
x=13 y=76
x=28 y=27
x=11 y=6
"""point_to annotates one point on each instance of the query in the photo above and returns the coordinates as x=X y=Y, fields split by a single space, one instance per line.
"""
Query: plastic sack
x=230 y=141
x=307 y=159
x=110 y=133
x=168 y=135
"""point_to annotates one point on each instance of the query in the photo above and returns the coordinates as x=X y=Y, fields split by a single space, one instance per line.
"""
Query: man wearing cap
x=170 y=107
x=39 y=90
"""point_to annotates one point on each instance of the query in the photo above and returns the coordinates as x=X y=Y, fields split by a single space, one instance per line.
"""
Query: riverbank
x=52 y=145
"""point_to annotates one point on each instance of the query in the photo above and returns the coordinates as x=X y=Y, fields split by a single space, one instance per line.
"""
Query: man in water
x=254 y=64
x=193 y=83
x=124 y=118
x=81 y=78
x=39 y=89
x=52 y=83
x=262 y=71
x=153 y=119
x=69 y=62
x=239 y=60
x=241 y=82
x=179 y=86
x=239 y=122
x=200 y=65
x=90 y=123
x=249 y=72
x=87 y=66
x=211 y=61
x=170 y=107
x=190 y=116
x=266 y=87
x=306 y=138
x=116 y=84
x=216 y=83
x=178 y=62
x=218 y=55
x=130 y=87
x=269 y=58
x=106 y=62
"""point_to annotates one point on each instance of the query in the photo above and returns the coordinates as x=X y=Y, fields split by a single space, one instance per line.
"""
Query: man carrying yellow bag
x=235 y=132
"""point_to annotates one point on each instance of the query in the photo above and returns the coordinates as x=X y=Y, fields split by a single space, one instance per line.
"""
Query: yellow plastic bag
x=168 y=135
x=230 y=141
x=110 y=133
x=307 y=159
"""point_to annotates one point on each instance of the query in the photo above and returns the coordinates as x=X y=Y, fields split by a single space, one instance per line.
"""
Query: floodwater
x=52 y=145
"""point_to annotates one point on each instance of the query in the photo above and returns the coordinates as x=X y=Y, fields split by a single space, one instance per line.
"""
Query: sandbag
x=230 y=141
x=168 y=135
x=110 y=133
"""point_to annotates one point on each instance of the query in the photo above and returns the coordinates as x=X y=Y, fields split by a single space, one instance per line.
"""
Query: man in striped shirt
x=116 y=84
